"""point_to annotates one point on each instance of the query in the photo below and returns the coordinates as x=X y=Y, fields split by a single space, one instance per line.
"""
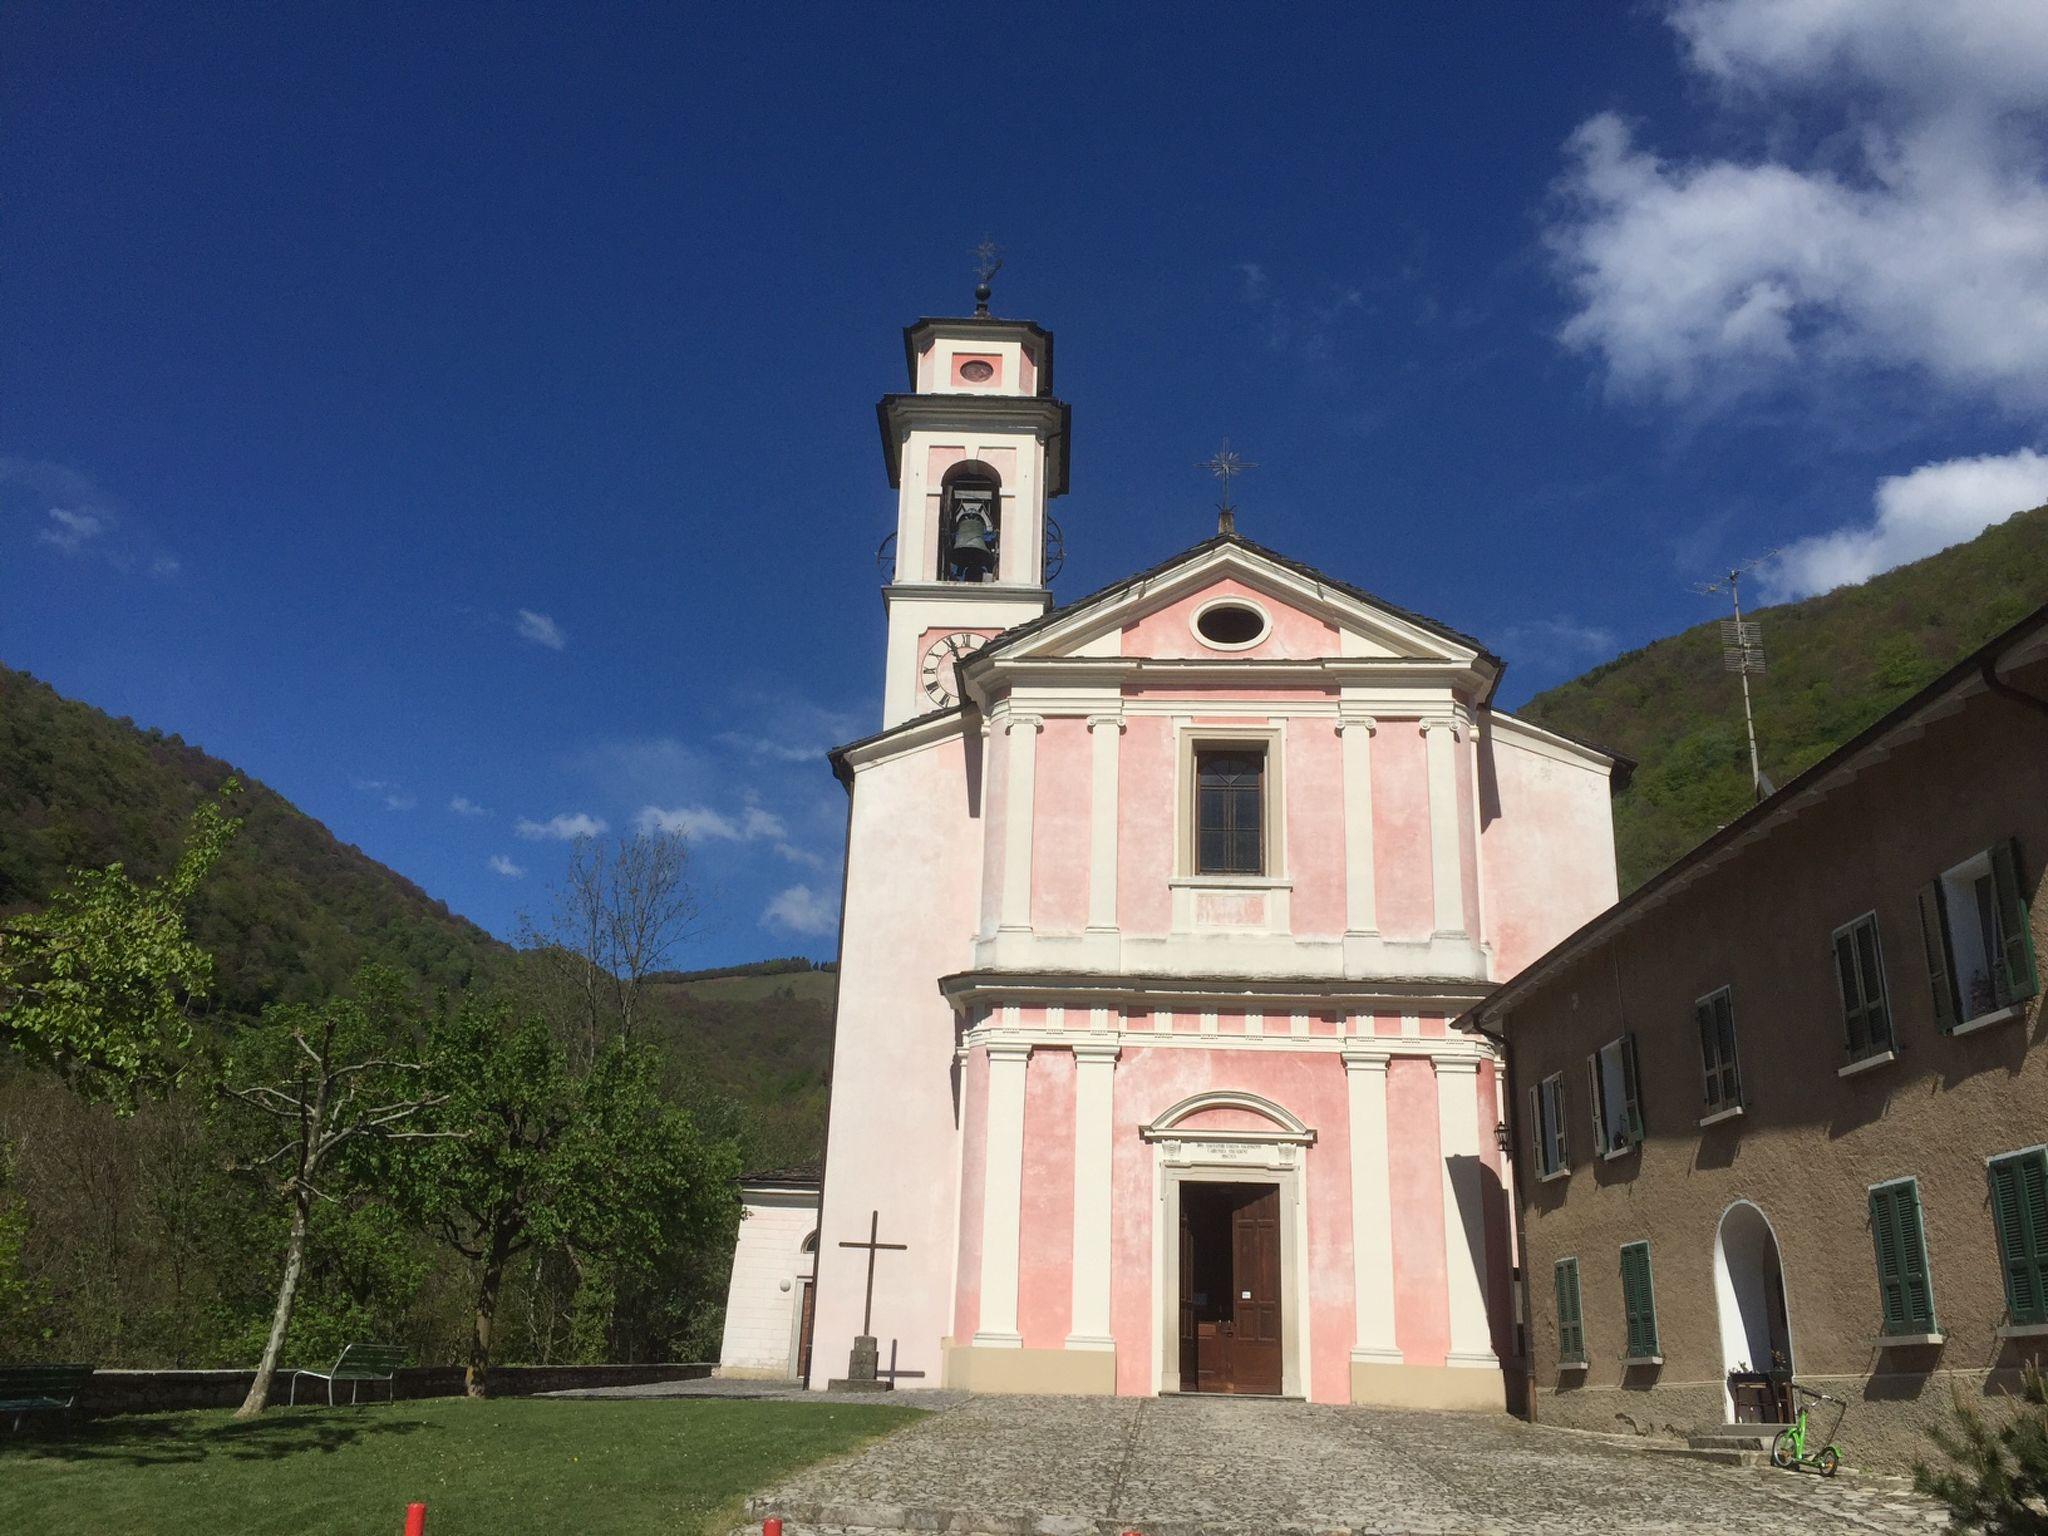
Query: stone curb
x=966 y=1522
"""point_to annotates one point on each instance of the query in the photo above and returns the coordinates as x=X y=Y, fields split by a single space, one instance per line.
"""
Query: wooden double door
x=1230 y=1309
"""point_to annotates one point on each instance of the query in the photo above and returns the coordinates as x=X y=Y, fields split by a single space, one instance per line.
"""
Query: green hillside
x=763 y=1041
x=1837 y=662
x=291 y=911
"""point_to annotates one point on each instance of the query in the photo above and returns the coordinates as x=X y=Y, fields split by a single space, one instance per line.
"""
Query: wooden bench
x=358 y=1363
x=26 y=1389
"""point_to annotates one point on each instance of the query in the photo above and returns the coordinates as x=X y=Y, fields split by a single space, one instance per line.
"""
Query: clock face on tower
x=940 y=658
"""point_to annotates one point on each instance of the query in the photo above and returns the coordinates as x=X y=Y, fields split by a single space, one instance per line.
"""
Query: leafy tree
x=595 y=1165
x=331 y=1082
x=22 y=1300
x=95 y=986
x=1996 y=1480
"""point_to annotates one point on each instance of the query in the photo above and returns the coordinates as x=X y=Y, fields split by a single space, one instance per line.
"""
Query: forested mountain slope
x=290 y=912
x=1836 y=663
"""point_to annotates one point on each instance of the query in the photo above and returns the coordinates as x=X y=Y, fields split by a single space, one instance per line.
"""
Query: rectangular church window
x=1230 y=810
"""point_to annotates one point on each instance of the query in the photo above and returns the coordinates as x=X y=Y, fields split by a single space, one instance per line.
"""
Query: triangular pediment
x=1308 y=615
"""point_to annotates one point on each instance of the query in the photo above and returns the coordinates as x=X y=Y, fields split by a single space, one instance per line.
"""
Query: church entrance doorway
x=1230 y=1297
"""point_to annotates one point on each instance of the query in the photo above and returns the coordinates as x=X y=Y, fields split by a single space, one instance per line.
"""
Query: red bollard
x=772 y=1526
x=415 y=1520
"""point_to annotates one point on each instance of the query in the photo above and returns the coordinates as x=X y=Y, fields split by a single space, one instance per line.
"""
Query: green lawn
x=499 y=1468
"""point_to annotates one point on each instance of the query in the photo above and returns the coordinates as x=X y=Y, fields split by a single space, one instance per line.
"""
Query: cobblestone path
x=1011 y=1466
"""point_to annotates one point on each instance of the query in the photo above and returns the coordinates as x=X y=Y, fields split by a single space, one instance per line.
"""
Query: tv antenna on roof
x=1742 y=652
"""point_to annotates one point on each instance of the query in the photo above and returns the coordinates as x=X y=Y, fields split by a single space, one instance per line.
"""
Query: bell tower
x=975 y=449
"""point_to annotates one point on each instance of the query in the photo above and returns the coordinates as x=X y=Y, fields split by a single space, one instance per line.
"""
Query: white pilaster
x=1372 y=1209
x=1457 y=1111
x=1105 y=732
x=1002 y=1195
x=1446 y=873
x=1360 y=902
x=1017 y=821
x=1094 y=1094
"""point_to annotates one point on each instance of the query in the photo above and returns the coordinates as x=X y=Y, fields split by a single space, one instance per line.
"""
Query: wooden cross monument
x=863 y=1364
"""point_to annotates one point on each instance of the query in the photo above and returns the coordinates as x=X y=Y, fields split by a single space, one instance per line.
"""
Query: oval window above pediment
x=1231 y=624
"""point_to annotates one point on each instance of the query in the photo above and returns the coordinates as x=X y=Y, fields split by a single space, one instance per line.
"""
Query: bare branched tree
x=623 y=908
x=328 y=1080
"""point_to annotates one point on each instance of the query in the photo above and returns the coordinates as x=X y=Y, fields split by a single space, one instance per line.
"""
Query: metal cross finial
x=988 y=261
x=1225 y=464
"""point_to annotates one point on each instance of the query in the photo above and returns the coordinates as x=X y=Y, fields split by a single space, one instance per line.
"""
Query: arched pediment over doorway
x=1229 y=1114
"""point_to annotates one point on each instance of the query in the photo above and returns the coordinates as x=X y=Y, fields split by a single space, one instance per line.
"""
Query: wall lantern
x=1500 y=1136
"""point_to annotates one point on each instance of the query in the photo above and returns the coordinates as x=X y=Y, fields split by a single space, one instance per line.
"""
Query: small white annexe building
x=768 y=1305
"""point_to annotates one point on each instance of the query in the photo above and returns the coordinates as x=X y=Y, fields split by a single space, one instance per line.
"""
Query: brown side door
x=1190 y=1360
x=1255 y=1250
x=803 y=1336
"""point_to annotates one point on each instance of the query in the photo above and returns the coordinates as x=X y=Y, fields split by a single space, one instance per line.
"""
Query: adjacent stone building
x=1786 y=1102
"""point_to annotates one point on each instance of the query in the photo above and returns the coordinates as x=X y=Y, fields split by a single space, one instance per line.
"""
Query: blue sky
x=461 y=417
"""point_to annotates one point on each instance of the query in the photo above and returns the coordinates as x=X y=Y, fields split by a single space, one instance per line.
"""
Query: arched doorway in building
x=1756 y=1331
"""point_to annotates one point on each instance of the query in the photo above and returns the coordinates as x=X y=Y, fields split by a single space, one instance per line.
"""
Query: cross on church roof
x=988 y=261
x=1226 y=463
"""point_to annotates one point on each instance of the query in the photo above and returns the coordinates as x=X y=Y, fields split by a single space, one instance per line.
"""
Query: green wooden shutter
x=1940 y=973
x=1599 y=1117
x=1710 y=1053
x=1560 y=1133
x=1632 y=1090
x=1855 y=1016
x=2016 y=944
x=1571 y=1328
x=1906 y=1295
x=1913 y=1257
x=1638 y=1301
x=2019 y=1207
x=1877 y=1008
x=1537 y=1147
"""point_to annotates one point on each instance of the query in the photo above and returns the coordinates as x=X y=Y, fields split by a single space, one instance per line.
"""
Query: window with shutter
x=1638 y=1303
x=1986 y=950
x=2015 y=941
x=1546 y=1125
x=1616 y=1089
x=2019 y=1210
x=1714 y=1016
x=1560 y=1143
x=1941 y=976
x=1859 y=976
x=1905 y=1291
x=1571 y=1328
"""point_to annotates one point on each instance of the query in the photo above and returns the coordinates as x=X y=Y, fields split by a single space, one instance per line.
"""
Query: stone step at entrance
x=1747 y=1445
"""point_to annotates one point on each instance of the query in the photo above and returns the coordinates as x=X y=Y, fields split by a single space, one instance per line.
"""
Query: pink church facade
x=1156 y=908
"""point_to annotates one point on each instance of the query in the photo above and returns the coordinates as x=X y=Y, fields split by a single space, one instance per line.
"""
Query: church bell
x=974 y=545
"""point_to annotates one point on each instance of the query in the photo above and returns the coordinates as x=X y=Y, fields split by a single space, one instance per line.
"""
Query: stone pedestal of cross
x=864 y=1362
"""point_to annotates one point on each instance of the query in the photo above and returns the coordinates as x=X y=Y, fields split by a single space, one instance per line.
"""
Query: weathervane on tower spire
x=1226 y=463
x=988 y=261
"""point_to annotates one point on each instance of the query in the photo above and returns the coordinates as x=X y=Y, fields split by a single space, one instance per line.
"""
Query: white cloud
x=1289 y=322
x=395 y=797
x=1558 y=642
x=700 y=823
x=1915 y=242
x=1917 y=514
x=800 y=910
x=541 y=630
x=462 y=805
x=562 y=829
x=80 y=519
x=72 y=530
x=500 y=865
